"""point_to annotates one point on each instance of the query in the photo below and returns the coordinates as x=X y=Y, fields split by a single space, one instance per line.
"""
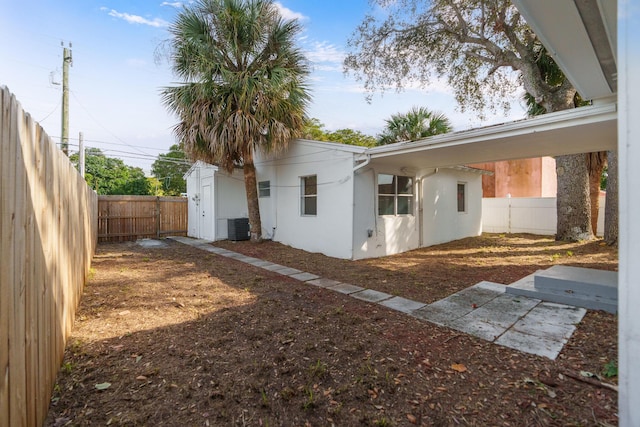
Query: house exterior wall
x=437 y=204
x=390 y=234
x=441 y=220
x=330 y=230
x=230 y=201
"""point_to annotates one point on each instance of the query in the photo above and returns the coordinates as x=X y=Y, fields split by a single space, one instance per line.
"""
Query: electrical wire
x=48 y=115
x=102 y=126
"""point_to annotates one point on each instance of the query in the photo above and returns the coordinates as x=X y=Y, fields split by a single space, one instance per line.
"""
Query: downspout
x=363 y=164
x=353 y=200
x=421 y=206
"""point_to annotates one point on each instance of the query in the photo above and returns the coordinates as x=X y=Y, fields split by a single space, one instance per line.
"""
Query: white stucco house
x=334 y=199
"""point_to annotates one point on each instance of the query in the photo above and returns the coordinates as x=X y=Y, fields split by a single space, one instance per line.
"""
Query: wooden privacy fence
x=48 y=218
x=133 y=217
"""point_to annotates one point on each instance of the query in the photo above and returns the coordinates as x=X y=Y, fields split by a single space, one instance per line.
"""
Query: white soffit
x=579 y=130
x=560 y=25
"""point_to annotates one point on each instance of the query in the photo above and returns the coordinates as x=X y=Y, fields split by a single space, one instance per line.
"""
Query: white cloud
x=136 y=19
x=288 y=13
x=176 y=4
x=324 y=52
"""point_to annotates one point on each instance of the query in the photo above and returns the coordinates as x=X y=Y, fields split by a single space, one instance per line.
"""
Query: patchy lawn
x=179 y=336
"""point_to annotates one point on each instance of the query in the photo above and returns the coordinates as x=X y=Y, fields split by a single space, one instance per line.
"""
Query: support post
x=66 y=61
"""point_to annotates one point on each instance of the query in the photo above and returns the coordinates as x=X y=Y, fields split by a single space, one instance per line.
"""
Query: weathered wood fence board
x=48 y=233
x=133 y=217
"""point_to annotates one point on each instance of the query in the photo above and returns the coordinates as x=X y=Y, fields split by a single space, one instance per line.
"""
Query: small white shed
x=214 y=197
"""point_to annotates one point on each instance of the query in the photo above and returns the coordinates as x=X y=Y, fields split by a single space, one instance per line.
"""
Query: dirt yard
x=180 y=337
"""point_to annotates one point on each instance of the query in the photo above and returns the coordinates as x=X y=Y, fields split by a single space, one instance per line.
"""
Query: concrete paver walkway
x=484 y=310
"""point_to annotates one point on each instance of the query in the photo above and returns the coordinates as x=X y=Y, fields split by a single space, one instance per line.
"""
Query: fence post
x=509 y=225
x=158 y=217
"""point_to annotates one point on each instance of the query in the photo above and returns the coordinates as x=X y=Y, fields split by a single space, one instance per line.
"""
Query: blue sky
x=115 y=80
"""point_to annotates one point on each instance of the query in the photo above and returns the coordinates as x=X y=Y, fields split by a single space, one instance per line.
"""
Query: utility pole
x=67 y=60
x=81 y=154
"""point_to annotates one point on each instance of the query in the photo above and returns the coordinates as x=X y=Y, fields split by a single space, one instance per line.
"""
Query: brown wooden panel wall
x=123 y=218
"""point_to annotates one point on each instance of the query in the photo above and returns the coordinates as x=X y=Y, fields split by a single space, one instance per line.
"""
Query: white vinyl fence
x=536 y=215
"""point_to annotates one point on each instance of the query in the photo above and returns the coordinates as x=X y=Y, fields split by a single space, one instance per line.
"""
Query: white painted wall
x=629 y=235
x=268 y=205
x=536 y=215
x=441 y=220
x=390 y=234
x=330 y=231
x=230 y=201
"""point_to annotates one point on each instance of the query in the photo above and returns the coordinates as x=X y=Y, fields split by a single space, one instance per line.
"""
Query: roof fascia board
x=576 y=116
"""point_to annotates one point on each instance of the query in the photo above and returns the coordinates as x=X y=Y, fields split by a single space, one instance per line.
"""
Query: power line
x=102 y=126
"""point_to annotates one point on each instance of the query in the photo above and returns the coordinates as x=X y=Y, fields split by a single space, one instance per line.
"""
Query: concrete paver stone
x=551 y=312
x=403 y=305
x=304 y=277
x=324 y=283
x=552 y=331
x=233 y=255
x=371 y=295
x=288 y=271
x=273 y=267
x=345 y=288
x=503 y=311
x=478 y=328
x=261 y=263
x=151 y=243
x=531 y=344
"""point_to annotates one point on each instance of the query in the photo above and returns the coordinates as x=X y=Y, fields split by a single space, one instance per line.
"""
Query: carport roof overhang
x=580 y=130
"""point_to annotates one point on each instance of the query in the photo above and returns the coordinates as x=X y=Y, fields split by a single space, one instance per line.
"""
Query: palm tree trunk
x=611 y=206
x=573 y=204
x=251 y=187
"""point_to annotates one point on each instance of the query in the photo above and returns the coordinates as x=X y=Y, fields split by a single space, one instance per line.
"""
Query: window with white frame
x=309 y=195
x=264 y=189
x=462 y=197
x=395 y=195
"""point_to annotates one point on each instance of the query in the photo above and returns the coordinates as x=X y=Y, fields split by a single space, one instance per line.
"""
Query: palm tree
x=243 y=86
x=416 y=124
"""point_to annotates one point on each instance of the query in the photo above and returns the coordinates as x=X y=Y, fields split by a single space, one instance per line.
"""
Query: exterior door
x=207 y=220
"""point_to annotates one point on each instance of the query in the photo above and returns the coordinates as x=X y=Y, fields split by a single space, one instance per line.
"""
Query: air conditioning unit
x=238 y=229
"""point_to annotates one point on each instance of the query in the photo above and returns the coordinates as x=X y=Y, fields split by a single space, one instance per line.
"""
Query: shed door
x=206 y=210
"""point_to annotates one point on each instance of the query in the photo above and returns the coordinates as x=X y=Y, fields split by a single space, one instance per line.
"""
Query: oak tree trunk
x=611 y=206
x=596 y=165
x=573 y=204
x=251 y=187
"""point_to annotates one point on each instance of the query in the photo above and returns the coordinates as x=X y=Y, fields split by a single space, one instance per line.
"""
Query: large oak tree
x=485 y=51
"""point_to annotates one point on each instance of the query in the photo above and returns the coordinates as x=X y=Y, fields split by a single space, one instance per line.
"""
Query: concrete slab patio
x=484 y=310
